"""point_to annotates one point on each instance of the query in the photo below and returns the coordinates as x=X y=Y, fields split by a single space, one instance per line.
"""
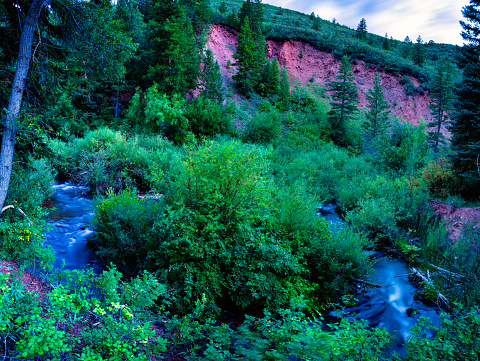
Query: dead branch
x=18 y=209
x=453 y=274
x=441 y=299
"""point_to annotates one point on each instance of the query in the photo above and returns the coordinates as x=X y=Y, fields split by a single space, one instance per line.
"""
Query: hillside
x=322 y=67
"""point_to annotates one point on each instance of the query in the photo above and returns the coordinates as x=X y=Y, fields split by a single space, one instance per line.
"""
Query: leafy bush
x=22 y=226
x=263 y=128
x=106 y=159
x=457 y=338
x=440 y=178
x=226 y=232
x=208 y=118
x=111 y=328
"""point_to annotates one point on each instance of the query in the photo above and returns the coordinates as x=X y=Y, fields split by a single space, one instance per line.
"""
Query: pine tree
x=419 y=52
x=245 y=58
x=377 y=115
x=407 y=48
x=176 y=63
x=252 y=10
x=270 y=83
x=211 y=78
x=442 y=94
x=466 y=118
x=386 y=42
x=344 y=101
x=362 y=29
x=222 y=8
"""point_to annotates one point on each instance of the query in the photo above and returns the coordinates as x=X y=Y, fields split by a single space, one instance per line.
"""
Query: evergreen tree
x=250 y=59
x=252 y=10
x=222 y=8
x=386 y=42
x=344 y=101
x=245 y=57
x=173 y=47
x=407 y=48
x=312 y=16
x=442 y=94
x=270 y=83
x=316 y=23
x=212 y=79
x=362 y=29
x=466 y=118
x=377 y=115
x=419 y=52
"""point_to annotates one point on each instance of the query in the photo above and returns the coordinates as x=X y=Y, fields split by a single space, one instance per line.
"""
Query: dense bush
x=263 y=128
x=105 y=158
x=226 y=231
x=22 y=226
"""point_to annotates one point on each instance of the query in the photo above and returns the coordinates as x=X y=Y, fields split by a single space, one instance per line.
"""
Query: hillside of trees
x=124 y=97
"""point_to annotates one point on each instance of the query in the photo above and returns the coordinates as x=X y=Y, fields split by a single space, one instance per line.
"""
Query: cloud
x=432 y=19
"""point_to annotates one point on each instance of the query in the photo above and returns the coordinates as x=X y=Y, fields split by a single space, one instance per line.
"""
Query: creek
x=392 y=305
x=386 y=306
x=73 y=210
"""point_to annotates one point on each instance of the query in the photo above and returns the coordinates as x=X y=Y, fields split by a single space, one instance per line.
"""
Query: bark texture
x=16 y=95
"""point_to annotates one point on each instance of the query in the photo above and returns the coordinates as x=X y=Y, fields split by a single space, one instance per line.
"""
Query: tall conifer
x=466 y=120
x=344 y=101
x=442 y=94
x=377 y=115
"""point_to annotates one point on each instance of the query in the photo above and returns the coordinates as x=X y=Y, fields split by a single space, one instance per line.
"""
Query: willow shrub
x=224 y=231
x=105 y=159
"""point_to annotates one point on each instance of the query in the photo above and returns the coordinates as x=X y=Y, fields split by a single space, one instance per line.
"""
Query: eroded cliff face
x=323 y=67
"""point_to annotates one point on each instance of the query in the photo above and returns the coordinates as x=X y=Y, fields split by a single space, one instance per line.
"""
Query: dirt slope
x=323 y=67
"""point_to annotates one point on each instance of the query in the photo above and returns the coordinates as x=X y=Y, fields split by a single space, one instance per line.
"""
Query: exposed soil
x=323 y=67
x=456 y=217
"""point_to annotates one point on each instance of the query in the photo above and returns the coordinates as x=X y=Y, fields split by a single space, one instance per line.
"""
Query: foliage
x=208 y=118
x=377 y=114
x=212 y=79
x=344 y=101
x=263 y=128
x=442 y=94
x=167 y=114
x=107 y=159
x=110 y=329
x=440 y=178
x=456 y=338
x=225 y=231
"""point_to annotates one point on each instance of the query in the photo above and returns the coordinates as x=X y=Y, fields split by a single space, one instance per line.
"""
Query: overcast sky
x=436 y=20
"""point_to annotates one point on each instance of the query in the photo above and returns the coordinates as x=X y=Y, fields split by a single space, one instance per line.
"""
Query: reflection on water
x=73 y=211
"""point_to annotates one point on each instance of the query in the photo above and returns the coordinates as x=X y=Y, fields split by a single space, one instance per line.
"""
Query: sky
x=436 y=20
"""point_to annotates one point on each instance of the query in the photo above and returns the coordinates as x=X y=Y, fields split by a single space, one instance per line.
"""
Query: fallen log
x=447 y=271
x=441 y=299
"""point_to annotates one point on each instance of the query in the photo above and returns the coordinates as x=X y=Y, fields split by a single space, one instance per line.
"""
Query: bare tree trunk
x=15 y=101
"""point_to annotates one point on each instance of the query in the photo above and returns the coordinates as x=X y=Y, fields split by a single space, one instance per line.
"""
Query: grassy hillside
x=341 y=40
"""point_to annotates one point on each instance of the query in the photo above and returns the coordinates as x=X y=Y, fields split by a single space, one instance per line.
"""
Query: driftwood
x=453 y=274
x=441 y=299
x=18 y=209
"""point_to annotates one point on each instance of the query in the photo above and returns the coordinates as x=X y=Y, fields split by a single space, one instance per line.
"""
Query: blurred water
x=73 y=211
x=387 y=305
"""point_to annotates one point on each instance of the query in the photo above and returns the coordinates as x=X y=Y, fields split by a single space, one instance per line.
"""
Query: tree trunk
x=15 y=101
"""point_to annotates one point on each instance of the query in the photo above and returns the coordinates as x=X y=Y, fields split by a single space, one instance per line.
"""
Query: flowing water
x=385 y=306
x=390 y=305
x=73 y=210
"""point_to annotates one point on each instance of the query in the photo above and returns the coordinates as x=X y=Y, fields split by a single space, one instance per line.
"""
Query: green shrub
x=225 y=232
x=208 y=118
x=457 y=338
x=106 y=159
x=263 y=128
